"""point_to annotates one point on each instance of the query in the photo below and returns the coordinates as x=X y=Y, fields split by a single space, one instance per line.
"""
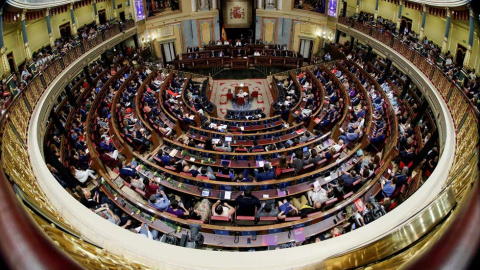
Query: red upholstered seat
x=267 y=220
x=254 y=94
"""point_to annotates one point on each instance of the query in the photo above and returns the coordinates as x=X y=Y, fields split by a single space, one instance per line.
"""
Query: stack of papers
x=173 y=152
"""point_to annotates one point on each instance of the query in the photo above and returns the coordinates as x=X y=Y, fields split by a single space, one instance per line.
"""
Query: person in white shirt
x=226 y=42
x=241 y=93
x=256 y=53
x=219 y=42
x=220 y=54
x=448 y=62
x=338 y=145
x=238 y=43
x=317 y=194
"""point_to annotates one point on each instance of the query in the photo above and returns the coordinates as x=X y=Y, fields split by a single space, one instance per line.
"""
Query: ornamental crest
x=237 y=13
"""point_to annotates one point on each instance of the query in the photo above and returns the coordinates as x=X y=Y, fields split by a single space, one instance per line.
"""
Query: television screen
x=332 y=8
x=139 y=11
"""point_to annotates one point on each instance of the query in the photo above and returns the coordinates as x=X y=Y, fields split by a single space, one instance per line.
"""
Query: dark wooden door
x=11 y=62
x=102 y=16
x=65 y=30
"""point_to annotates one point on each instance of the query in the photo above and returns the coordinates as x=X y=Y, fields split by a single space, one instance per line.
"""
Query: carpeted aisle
x=220 y=90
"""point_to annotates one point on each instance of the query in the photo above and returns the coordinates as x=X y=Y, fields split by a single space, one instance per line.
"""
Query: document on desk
x=316 y=185
x=173 y=152
x=228 y=195
x=328 y=178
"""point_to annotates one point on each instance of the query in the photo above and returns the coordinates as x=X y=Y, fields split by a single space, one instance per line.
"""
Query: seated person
x=128 y=170
x=286 y=210
x=349 y=137
x=201 y=210
x=177 y=209
x=318 y=194
x=207 y=171
x=267 y=210
x=297 y=160
x=388 y=187
x=247 y=203
x=314 y=157
x=159 y=201
x=268 y=173
x=304 y=207
x=225 y=210
x=349 y=178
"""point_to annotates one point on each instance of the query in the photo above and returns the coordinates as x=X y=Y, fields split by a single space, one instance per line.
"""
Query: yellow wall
x=435 y=29
x=434 y=26
x=37 y=34
x=37 y=30
x=387 y=10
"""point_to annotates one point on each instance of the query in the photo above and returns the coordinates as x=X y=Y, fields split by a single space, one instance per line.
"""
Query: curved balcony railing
x=389 y=241
x=464 y=113
x=24 y=245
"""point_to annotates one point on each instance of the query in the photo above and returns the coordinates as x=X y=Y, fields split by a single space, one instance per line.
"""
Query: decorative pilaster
x=194 y=5
x=279 y=4
x=376 y=9
x=466 y=60
x=447 y=32
x=399 y=18
x=114 y=9
x=74 y=23
x=49 y=29
x=214 y=4
x=259 y=4
x=95 y=10
x=28 y=52
x=357 y=10
x=3 y=50
x=424 y=18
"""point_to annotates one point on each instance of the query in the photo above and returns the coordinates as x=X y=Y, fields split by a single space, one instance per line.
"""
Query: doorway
x=405 y=23
x=102 y=16
x=460 y=55
x=306 y=47
x=65 y=30
x=168 y=52
x=11 y=62
x=122 y=16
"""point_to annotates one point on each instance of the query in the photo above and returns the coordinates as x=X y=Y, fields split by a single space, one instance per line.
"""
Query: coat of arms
x=237 y=13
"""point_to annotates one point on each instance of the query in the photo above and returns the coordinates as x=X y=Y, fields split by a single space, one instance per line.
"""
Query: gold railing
x=465 y=117
x=16 y=165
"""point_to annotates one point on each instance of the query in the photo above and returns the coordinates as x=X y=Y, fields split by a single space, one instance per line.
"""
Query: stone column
x=399 y=18
x=74 y=23
x=28 y=52
x=466 y=60
x=279 y=4
x=259 y=4
x=357 y=10
x=194 y=5
x=376 y=9
x=3 y=50
x=49 y=29
x=447 y=32
x=214 y=4
x=114 y=9
x=95 y=11
x=424 y=18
